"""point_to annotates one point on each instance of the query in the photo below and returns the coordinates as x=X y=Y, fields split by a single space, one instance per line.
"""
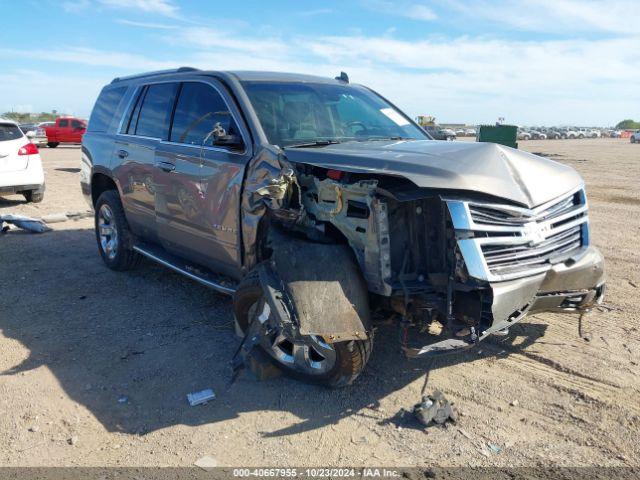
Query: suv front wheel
x=114 y=238
x=309 y=358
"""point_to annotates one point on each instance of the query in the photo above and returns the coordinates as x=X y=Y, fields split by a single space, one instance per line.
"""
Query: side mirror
x=230 y=141
x=223 y=139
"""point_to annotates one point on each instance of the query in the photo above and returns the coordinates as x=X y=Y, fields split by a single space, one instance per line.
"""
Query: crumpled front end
x=458 y=265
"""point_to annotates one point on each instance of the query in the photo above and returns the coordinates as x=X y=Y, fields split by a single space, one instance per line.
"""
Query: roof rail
x=157 y=72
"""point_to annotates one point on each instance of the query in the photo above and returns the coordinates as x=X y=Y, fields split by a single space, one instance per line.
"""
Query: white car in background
x=20 y=164
x=635 y=137
x=470 y=131
x=40 y=137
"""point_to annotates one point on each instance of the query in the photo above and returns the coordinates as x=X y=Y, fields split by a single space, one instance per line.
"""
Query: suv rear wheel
x=114 y=238
x=53 y=144
x=309 y=358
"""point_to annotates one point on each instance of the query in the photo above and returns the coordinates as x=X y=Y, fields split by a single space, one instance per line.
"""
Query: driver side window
x=201 y=116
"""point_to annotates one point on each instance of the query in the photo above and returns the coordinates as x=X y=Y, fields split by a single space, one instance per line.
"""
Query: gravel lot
x=95 y=365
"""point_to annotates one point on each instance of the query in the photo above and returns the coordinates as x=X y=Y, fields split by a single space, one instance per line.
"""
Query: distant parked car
x=40 y=137
x=615 y=133
x=593 y=133
x=538 y=135
x=471 y=132
x=27 y=127
x=439 y=133
x=553 y=134
x=65 y=130
x=582 y=133
x=460 y=132
x=20 y=164
x=635 y=137
x=569 y=133
x=524 y=135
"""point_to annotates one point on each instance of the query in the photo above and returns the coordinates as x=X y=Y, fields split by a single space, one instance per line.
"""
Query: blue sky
x=544 y=62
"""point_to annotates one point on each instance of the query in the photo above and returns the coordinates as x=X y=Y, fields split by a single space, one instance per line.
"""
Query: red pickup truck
x=65 y=130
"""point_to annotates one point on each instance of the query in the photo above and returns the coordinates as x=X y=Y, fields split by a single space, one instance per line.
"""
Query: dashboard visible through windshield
x=301 y=113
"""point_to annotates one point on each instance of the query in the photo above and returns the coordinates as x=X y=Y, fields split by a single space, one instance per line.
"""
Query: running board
x=197 y=273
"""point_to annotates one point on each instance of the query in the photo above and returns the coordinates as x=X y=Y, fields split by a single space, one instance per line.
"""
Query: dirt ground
x=95 y=365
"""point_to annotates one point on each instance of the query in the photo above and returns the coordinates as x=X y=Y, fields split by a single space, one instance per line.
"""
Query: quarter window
x=155 y=112
x=200 y=111
x=105 y=108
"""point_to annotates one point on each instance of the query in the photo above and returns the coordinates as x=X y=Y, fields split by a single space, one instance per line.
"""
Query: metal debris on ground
x=434 y=409
x=26 y=223
x=198 y=398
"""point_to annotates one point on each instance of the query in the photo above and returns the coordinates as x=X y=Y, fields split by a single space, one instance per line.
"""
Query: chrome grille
x=513 y=242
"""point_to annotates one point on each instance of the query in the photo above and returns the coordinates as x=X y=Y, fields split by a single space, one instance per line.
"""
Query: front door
x=198 y=183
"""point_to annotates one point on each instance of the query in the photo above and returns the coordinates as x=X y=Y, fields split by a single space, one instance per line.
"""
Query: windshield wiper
x=317 y=143
x=368 y=139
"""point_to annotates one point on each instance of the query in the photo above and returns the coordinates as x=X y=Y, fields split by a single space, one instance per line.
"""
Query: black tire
x=633 y=139
x=351 y=356
x=124 y=257
x=53 y=144
x=33 y=196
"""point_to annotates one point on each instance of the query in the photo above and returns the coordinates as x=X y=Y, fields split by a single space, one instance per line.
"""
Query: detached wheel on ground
x=53 y=144
x=33 y=196
x=308 y=358
x=115 y=241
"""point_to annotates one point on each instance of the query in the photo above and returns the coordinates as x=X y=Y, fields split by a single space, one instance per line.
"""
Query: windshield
x=300 y=113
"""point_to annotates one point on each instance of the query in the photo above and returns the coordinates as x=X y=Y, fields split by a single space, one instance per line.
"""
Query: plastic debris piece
x=494 y=448
x=434 y=409
x=123 y=399
x=201 y=397
x=26 y=223
x=206 y=463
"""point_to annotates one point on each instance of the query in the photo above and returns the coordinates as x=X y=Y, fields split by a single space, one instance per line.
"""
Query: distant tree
x=628 y=125
x=22 y=117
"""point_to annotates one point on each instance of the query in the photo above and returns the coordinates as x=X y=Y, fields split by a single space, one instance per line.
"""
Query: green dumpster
x=502 y=134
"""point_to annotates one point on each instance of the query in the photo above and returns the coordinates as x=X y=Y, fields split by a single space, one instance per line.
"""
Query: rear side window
x=199 y=110
x=104 y=109
x=9 y=131
x=155 y=112
x=63 y=123
x=77 y=124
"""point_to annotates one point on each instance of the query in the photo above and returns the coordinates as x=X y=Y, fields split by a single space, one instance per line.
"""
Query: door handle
x=166 y=166
x=123 y=154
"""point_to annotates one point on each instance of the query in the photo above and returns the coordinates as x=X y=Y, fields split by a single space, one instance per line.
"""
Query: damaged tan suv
x=319 y=206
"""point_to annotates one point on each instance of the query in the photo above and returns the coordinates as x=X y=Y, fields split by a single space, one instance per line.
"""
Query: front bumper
x=573 y=286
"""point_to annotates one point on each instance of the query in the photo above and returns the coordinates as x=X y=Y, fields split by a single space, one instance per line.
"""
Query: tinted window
x=200 y=110
x=8 y=131
x=156 y=109
x=132 y=119
x=63 y=123
x=105 y=108
x=77 y=124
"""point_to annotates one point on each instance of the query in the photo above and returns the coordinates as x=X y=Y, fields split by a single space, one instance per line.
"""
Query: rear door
x=11 y=139
x=146 y=124
x=198 y=182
